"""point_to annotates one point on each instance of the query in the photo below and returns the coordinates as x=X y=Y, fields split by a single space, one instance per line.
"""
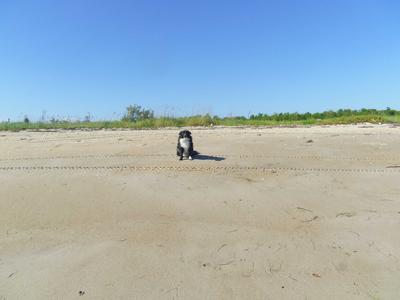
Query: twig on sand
x=222 y=246
x=345 y=214
x=225 y=264
x=291 y=277
x=302 y=208
x=310 y=220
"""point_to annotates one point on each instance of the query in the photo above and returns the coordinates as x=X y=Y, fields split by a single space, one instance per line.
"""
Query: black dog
x=185 y=145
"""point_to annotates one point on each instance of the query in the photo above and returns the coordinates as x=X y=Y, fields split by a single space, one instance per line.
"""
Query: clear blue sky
x=70 y=57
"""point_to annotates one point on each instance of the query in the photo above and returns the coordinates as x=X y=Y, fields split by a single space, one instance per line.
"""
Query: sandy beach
x=262 y=213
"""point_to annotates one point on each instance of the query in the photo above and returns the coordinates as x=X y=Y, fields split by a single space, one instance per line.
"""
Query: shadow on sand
x=208 y=157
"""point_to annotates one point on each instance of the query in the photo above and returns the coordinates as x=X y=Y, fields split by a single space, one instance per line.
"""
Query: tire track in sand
x=242 y=156
x=211 y=169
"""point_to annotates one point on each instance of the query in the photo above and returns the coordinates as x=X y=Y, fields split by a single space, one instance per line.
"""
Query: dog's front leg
x=190 y=155
x=191 y=152
x=180 y=153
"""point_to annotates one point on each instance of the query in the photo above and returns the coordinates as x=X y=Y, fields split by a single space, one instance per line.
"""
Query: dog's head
x=185 y=134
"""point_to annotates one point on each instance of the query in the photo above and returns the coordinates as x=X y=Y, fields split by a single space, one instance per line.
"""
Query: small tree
x=87 y=118
x=26 y=120
x=136 y=113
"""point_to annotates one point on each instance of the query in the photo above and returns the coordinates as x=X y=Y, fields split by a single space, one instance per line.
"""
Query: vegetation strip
x=137 y=117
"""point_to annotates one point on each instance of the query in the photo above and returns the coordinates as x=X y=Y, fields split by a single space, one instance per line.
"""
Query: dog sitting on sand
x=185 y=145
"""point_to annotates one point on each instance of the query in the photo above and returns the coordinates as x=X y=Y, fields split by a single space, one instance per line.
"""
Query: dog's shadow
x=208 y=157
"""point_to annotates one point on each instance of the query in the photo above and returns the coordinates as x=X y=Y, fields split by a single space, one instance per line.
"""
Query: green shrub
x=136 y=113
